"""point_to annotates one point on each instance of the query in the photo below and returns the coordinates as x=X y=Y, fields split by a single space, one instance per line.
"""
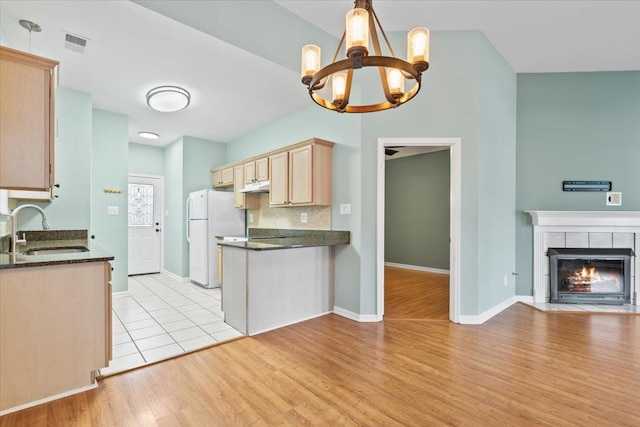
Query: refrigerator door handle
x=187 y=218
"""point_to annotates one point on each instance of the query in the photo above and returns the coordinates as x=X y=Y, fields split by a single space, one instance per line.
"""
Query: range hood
x=256 y=187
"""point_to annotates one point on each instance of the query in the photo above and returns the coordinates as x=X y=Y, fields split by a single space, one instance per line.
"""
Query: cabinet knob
x=93 y=236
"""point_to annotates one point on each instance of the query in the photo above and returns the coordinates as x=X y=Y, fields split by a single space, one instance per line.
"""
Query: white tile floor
x=163 y=317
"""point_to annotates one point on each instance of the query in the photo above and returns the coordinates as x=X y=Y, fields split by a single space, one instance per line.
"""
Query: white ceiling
x=134 y=49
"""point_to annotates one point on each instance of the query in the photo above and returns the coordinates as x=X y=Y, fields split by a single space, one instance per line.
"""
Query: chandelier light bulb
x=418 y=45
x=395 y=80
x=338 y=86
x=311 y=60
x=357 y=29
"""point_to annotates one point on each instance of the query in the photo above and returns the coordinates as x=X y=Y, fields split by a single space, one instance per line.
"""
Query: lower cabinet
x=55 y=331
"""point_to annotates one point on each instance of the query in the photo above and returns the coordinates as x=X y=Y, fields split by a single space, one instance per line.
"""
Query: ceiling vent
x=75 y=43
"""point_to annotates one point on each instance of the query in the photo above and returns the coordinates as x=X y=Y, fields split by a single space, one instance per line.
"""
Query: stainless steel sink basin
x=56 y=251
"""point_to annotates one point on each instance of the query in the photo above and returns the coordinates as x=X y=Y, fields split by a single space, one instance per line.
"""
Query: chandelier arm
x=383 y=33
x=374 y=33
x=335 y=55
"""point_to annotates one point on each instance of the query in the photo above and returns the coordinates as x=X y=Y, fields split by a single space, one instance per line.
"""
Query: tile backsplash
x=318 y=217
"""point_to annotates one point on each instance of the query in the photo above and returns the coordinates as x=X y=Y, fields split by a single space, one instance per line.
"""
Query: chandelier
x=360 y=23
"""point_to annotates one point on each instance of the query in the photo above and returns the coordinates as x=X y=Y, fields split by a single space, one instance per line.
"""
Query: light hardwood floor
x=417 y=295
x=521 y=368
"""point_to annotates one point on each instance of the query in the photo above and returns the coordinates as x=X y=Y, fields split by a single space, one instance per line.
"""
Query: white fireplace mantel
x=581 y=229
x=585 y=218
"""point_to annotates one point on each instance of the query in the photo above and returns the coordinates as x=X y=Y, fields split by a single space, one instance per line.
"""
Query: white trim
x=417 y=267
x=488 y=314
x=175 y=276
x=49 y=398
x=455 y=152
x=355 y=316
x=120 y=294
x=527 y=299
x=585 y=218
x=162 y=217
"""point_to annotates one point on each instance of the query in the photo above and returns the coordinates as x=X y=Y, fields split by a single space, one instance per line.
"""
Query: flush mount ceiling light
x=168 y=99
x=360 y=23
x=149 y=135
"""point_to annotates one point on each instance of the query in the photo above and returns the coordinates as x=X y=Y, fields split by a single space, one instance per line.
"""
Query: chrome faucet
x=14 y=225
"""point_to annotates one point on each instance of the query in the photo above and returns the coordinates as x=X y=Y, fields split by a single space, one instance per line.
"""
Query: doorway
x=144 y=209
x=454 y=146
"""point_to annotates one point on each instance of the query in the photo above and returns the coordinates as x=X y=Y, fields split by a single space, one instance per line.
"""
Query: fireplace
x=590 y=275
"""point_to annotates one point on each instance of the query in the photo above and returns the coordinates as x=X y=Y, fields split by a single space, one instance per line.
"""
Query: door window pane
x=140 y=205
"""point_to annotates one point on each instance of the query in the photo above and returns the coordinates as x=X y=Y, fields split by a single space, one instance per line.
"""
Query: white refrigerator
x=210 y=214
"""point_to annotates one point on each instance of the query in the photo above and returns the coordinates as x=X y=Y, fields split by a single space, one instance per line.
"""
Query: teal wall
x=417 y=195
x=146 y=159
x=187 y=165
x=448 y=106
x=497 y=95
x=574 y=126
x=71 y=210
x=174 y=209
x=110 y=146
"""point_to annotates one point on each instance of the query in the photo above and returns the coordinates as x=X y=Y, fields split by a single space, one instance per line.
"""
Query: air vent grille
x=75 y=43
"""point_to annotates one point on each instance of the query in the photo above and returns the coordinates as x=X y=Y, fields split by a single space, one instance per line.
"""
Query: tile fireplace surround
x=582 y=229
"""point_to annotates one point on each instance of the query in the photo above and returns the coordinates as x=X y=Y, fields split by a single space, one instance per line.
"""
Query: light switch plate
x=345 y=209
x=614 y=199
x=303 y=217
x=112 y=210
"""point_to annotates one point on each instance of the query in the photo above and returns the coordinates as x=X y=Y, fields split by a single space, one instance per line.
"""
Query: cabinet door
x=249 y=172
x=301 y=175
x=262 y=169
x=26 y=121
x=227 y=176
x=279 y=179
x=216 y=178
x=238 y=184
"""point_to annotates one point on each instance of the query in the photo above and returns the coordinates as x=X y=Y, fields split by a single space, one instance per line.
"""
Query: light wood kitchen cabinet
x=301 y=176
x=256 y=170
x=55 y=330
x=27 y=120
x=222 y=177
x=242 y=200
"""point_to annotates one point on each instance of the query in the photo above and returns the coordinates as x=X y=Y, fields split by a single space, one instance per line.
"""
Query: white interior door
x=145 y=231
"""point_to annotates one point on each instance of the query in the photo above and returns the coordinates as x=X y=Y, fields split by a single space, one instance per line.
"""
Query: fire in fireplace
x=590 y=275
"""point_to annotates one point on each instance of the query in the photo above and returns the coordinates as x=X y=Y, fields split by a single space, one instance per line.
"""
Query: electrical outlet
x=614 y=199
x=112 y=210
x=250 y=217
x=506 y=280
x=303 y=217
x=345 y=209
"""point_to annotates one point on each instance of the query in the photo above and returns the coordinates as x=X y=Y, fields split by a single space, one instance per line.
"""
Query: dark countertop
x=54 y=239
x=261 y=239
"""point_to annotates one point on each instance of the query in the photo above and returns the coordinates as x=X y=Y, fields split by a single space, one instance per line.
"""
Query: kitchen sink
x=56 y=251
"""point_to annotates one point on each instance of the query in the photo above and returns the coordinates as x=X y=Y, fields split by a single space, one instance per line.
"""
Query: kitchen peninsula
x=278 y=277
x=55 y=317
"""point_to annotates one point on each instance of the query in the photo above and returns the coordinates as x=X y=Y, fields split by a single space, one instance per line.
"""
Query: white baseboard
x=120 y=294
x=355 y=316
x=528 y=299
x=289 y=324
x=175 y=276
x=417 y=267
x=49 y=398
x=488 y=314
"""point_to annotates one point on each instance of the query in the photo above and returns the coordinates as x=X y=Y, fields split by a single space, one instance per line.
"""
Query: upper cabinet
x=256 y=170
x=242 y=200
x=298 y=175
x=222 y=177
x=301 y=176
x=27 y=118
